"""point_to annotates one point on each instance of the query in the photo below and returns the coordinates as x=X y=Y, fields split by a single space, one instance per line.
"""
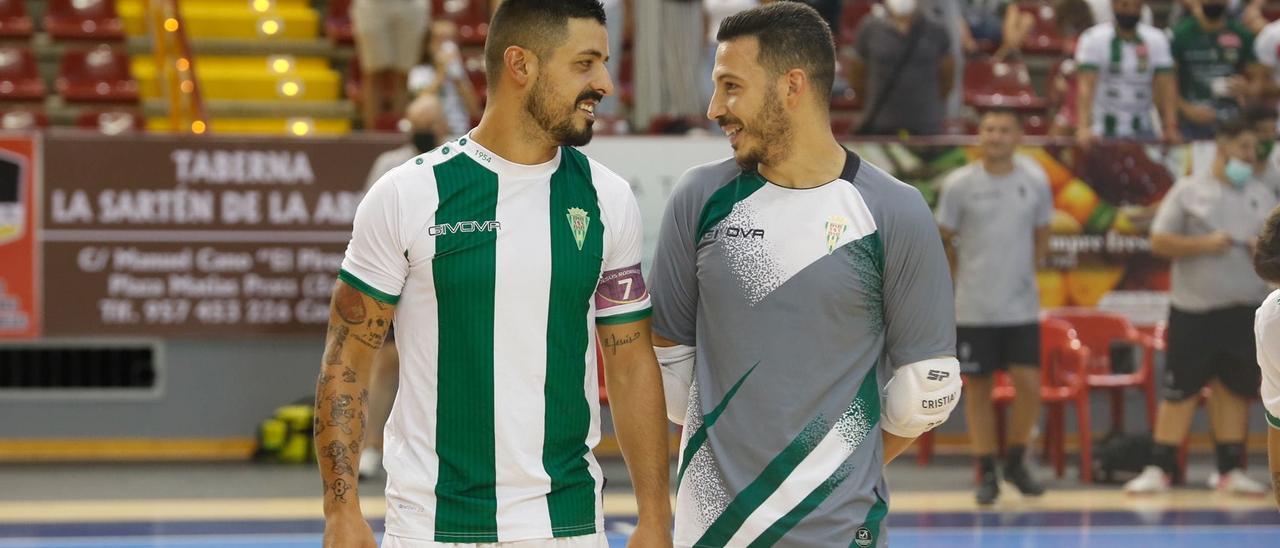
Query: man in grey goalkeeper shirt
x=802 y=308
x=994 y=217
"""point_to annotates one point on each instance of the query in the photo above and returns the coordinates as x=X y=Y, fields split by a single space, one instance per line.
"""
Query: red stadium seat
x=1043 y=38
x=1063 y=375
x=14 y=21
x=111 y=121
x=1098 y=330
x=471 y=16
x=23 y=118
x=19 y=77
x=83 y=20
x=626 y=78
x=999 y=84
x=851 y=16
x=98 y=75
x=337 y=22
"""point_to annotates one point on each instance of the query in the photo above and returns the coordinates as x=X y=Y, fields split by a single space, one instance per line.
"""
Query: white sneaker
x=370 y=463
x=1151 y=480
x=1236 y=482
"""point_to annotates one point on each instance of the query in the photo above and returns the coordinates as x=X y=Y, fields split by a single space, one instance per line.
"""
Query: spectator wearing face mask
x=1125 y=69
x=903 y=65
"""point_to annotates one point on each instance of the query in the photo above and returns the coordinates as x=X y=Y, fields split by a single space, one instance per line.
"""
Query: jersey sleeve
x=949 y=211
x=1170 y=217
x=1266 y=329
x=1267 y=44
x=375 y=262
x=919 y=304
x=1044 y=206
x=675 y=270
x=621 y=295
x=1161 y=53
x=1091 y=53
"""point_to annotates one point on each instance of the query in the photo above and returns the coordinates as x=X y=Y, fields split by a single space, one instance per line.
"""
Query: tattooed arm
x=640 y=418
x=357 y=327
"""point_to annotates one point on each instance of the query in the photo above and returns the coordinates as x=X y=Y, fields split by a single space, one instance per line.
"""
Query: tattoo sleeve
x=342 y=394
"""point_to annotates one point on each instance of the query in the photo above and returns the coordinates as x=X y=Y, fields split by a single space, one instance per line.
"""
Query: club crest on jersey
x=836 y=226
x=578 y=221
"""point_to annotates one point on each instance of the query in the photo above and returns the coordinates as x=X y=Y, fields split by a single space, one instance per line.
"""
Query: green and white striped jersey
x=500 y=272
x=1124 y=96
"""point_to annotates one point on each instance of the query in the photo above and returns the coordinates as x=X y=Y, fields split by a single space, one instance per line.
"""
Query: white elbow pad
x=920 y=396
x=677 y=376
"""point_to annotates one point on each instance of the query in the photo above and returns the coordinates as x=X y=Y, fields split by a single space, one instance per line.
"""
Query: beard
x=770 y=130
x=561 y=130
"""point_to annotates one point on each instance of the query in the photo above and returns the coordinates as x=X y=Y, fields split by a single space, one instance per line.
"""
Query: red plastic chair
x=337 y=22
x=25 y=118
x=83 y=20
x=98 y=75
x=14 y=21
x=1097 y=330
x=111 y=121
x=19 y=76
x=1043 y=38
x=1063 y=376
x=352 y=84
x=1000 y=84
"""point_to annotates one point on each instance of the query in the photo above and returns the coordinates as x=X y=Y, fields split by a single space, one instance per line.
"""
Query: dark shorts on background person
x=1204 y=345
x=983 y=350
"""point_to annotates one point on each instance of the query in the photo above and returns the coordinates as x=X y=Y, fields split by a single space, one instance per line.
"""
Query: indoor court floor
x=237 y=505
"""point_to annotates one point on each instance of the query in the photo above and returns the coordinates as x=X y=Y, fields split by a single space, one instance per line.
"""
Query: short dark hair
x=1001 y=111
x=1266 y=254
x=791 y=35
x=1233 y=128
x=537 y=25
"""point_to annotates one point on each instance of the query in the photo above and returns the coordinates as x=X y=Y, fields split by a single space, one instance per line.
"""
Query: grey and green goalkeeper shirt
x=800 y=303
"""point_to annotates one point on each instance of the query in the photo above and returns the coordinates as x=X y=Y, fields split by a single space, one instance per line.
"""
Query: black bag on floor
x=1119 y=457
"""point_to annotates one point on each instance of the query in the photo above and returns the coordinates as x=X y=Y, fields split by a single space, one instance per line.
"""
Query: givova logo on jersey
x=463 y=227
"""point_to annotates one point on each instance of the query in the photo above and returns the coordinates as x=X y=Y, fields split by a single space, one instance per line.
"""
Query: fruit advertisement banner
x=1104 y=200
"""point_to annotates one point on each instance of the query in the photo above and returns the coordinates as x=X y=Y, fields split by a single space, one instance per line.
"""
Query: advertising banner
x=19 y=260
x=196 y=236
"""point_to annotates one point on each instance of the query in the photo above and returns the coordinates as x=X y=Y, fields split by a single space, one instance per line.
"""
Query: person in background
x=1206 y=226
x=1103 y=13
x=1264 y=118
x=1124 y=70
x=1216 y=68
x=1266 y=330
x=388 y=36
x=426 y=128
x=1072 y=17
x=442 y=73
x=994 y=218
x=994 y=22
x=904 y=67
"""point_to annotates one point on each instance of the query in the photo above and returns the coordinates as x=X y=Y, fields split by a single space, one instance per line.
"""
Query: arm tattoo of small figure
x=339 y=333
x=340 y=412
x=339 y=459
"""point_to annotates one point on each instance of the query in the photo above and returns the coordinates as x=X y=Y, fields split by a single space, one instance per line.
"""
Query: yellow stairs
x=255 y=94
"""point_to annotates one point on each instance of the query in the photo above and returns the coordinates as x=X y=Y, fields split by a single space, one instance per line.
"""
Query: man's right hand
x=349 y=531
x=1216 y=243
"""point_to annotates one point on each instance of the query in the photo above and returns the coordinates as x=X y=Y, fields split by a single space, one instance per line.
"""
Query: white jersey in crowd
x=499 y=273
x=1124 y=98
x=1266 y=330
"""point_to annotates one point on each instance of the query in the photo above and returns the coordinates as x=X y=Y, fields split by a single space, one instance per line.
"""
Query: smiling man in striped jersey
x=794 y=287
x=502 y=254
